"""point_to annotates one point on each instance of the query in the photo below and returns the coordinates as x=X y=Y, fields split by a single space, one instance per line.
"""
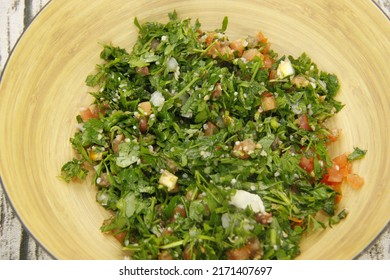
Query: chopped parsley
x=206 y=148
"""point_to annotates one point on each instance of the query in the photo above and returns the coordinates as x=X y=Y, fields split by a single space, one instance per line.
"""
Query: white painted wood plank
x=12 y=15
x=384 y=5
x=380 y=249
x=10 y=231
x=34 y=251
x=37 y=5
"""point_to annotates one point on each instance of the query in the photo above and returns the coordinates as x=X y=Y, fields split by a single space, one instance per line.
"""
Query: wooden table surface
x=15 y=242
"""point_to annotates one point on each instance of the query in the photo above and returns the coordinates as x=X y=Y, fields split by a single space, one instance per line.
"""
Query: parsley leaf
x=357 y=154
x=73 y=169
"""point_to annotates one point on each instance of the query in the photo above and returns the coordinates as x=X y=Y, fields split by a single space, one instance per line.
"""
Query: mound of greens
x=205 y=148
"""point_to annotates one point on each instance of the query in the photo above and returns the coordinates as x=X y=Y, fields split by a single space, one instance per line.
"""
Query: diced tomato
x=238 y=46
x=304 y=122
x=335 y=186
x=226 y=52
x=120 y=236
x=338 y=198
x=266 y=48
x=261 y=38
x=307 y=164
x=326 y=181
x=355 y=181
x=210 y=38
x=339 y=172
x=334 y=174
x=294 y=222
x=341 y=160
x=268 y=61
x=344 y=167
x=221 y=50
x=243 y=149
x=346 y=170
x=89 y=113
x=268 y=101
x=272 y=74
x=339 y=169
x=334 y=135
x=214 y=49
x=250 y=54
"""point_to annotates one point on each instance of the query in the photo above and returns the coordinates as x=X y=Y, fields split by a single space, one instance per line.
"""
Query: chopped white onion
x=157 y=99
x=225 y=220
x=242 y=199
x=172 y=65
x=285 y=69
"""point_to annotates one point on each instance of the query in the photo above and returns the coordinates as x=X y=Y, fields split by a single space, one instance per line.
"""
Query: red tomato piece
x=120 y=236
x=268 y=101
x=87 y=113
x=334 y=135
x=341 y=160
x=355 y=181
x=307 y=164
x=238 y=46
x=335 y=176
x=250 y=54
x=268 y=61
x=272 y=74
x=261 y=38
x=303 y=122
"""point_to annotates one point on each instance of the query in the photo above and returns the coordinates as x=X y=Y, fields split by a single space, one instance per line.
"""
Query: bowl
x=42 y=89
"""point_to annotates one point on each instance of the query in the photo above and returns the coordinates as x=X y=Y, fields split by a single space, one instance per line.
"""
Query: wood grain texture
x=65 y=225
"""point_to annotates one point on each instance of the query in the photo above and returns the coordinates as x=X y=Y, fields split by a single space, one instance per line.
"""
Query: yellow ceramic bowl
x=43 y=88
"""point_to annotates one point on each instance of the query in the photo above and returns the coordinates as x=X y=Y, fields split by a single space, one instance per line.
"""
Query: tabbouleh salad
x=206 y=148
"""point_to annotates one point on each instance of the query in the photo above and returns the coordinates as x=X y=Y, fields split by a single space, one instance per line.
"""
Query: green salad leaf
x=357 y=154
